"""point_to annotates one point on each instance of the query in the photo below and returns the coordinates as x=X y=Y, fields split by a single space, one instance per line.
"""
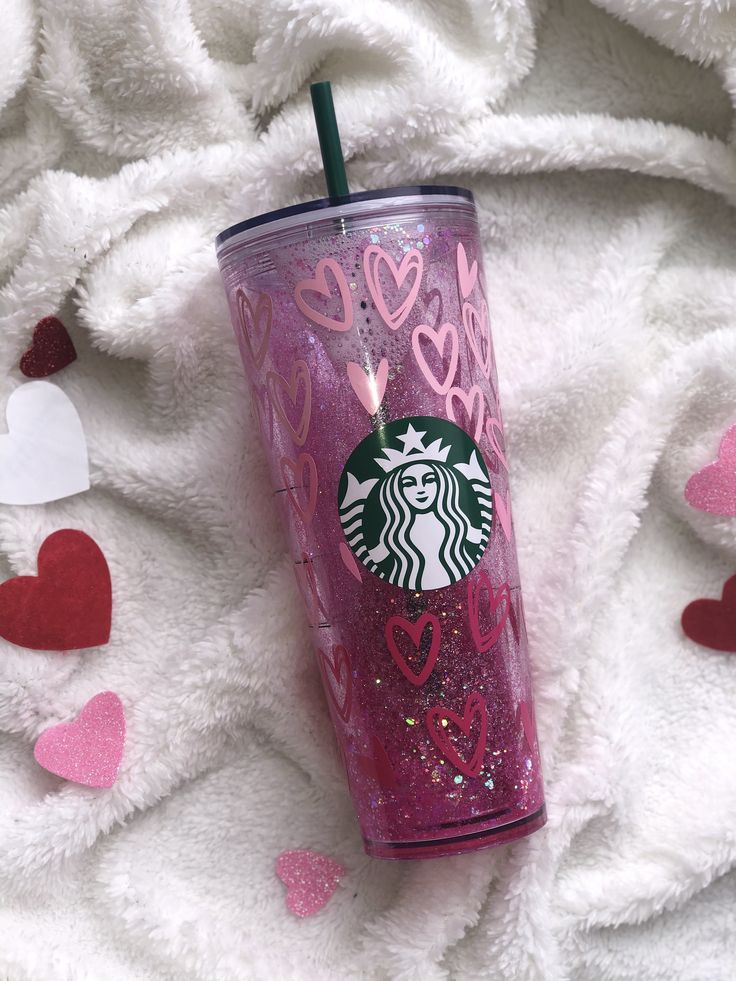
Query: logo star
x=412 y=440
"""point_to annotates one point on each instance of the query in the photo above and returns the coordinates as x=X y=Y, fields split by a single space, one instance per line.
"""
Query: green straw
x=329 y=139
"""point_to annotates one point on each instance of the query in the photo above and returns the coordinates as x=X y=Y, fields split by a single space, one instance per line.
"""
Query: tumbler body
x=364 y=331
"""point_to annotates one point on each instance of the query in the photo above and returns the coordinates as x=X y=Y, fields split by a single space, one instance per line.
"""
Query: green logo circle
x=415 y=503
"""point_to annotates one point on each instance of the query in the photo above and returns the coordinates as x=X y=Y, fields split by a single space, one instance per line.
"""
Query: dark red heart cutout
x=68 y=605
x=51 y=349
x=712 y=623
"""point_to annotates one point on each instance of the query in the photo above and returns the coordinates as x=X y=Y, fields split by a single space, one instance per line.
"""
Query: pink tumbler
x=363 y=327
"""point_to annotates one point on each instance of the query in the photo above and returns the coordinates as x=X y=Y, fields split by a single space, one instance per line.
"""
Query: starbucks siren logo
x=415 y=503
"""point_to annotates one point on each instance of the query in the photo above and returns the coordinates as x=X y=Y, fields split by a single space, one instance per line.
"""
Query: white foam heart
x=43 y=457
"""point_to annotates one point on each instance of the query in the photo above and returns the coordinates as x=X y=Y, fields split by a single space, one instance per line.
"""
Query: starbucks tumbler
x=364 y=331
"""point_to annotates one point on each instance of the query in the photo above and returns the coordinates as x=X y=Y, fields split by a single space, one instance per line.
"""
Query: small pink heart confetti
x=87 y=750
x=310 y=879
x=713 y=489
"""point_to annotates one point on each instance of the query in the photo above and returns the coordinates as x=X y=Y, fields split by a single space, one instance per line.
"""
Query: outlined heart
x=438 y=339
x=278 y=386
x=375 y=260
x=309 y=291
x=440 y=721
x=428 y=299
x=349 y=561
x=261 y=406
x=310 y=879
x=466 y=277
x=492 y=427
x=525 y=718
x=712 y=623
x=306 y=580
x=378 y=766
x=255 y=324
x=502 y=508
x=478 y=334
x=473 y=405
x=370 y=387
x=713 y=489
x=87 y=750
x=43 y=457
x=293 y=473
x=68 y=605
x=477 y=586
x=51 y=349
x=415 y=632
x=337 y=670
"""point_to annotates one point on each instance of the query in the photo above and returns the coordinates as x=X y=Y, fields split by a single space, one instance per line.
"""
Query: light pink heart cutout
x=713 y=489
x=438 y=338
x=412 y=262
x=503 y=511
x=349 y=561
x=494 y=426
x=474 y=323
x=310 y=879
x=466 y=277
x=469 y=400
x=319 y=286
x=370 y=388
x=89 y=749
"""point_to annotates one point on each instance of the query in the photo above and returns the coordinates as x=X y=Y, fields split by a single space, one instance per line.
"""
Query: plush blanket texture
x=598 y=139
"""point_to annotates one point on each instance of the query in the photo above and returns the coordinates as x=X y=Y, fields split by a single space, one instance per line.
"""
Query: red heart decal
x=438 y=338
x=323 y=294
x=251 y=326
x=712 y=623
x=478 y=334
x=375 y=259
x=378 y=766
x=516 y=617
x=278 y=386
x=310 y=879
x=415 y=632
x=293 y=475
x=68 y=606
x=439 y=719
x=466 y=277
x=51 y=349
x=88 y=750
x=484 y=641
x=337 y=665
x=472 y=402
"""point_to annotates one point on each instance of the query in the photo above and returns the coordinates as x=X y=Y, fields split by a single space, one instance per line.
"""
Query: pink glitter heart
x=87 y=750
x=713 y=489
x=310 y=879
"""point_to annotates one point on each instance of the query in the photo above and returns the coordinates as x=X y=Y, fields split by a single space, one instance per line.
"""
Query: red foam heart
x=712 y=623
x=51 y=349
x=444 y=738
x=89 y=749
x=68 y=605
x=415 y=632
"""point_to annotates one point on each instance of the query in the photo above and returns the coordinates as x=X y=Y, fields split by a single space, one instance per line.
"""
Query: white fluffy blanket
x=598 y=139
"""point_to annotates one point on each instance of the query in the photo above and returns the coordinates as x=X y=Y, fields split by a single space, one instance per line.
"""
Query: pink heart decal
x=494 y=426
x=438 y=726
x=415 y=632
x=255 y=324
x=260 y=405
x=293 y=475
x=320 y=290
x=472 y=403
x=278 y=386
x=438 y=338
x=374 y=258
x=378 y=766
x=713 y=489
x=370 y=388
x=306 y=580
x=428 y=299
x=349 y=561
x=89 y=749
x=526 y=718
x=484 y=641
x=465 y=277
x=478 y=334
x=337 y=666
x=310 y=879
x=503 y=511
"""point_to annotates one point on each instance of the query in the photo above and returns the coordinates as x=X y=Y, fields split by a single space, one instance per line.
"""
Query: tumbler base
x=459 y=844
